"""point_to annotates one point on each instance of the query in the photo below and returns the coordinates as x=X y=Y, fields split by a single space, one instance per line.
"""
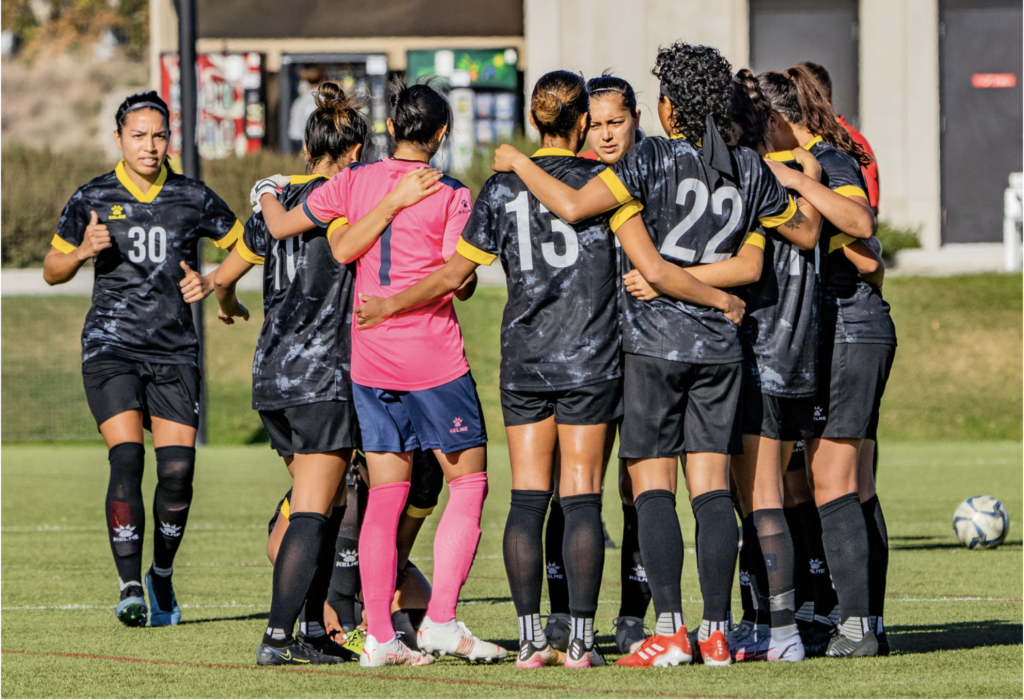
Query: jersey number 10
x=520 y=206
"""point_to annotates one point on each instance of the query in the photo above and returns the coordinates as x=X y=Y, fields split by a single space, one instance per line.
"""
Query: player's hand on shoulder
x=96 y=239
x=272 y=185
x=505 y=158
x=372 y=312
x=414 y=186
x=787 y=176
x=194 y=287
x=734 y=309
x=639 y=287
x=810 y=164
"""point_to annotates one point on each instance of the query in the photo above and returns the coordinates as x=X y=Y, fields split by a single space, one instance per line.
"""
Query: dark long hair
x=417 y=112
x=697 y=81
x=798 y=96
x=335 y=126
x=559 y=98
x=749 y=110
x=607 y=84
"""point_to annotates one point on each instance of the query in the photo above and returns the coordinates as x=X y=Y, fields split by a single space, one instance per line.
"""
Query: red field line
x=308 y=671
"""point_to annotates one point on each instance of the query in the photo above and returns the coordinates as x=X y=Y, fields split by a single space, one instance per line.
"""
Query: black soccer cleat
x=295 y=654
x=841 y=646
x=326 y=645
x=816 y=637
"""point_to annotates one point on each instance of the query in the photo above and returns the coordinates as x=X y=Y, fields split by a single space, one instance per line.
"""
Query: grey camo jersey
x=304 y=349
x=693 y=222
x=560 y=327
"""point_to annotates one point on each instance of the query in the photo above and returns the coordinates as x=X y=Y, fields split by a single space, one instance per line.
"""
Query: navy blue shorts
x=447 y=417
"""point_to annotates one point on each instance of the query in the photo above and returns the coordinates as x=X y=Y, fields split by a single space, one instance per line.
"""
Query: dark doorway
x=980 y=60
x=786 y=32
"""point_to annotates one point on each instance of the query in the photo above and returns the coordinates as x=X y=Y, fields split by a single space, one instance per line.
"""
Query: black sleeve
x=71 y=227
x=844 y=173
x=480 y=236
x=634 y=171
x=775 y=206
x=218 y=222
x=252 y=244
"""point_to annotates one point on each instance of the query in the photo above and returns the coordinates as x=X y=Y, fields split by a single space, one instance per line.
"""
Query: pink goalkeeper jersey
x=420 y=348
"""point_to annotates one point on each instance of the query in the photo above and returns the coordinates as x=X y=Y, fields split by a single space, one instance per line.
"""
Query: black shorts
x=426 y=484
x=775 y=417
x=851 y=381
x=677 y=407
x=798 y=461
x=312 y=428
x=593 y=404
x=115 y=384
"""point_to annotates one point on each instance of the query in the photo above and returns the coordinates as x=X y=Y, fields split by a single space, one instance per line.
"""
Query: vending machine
x=231 y=104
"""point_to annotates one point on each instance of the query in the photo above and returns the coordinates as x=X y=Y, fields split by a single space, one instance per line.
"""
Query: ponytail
x=559 y=98
x=749 y=110
x=335 y=126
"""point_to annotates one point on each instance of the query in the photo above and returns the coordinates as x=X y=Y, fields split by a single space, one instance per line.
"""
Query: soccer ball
x=981 y=522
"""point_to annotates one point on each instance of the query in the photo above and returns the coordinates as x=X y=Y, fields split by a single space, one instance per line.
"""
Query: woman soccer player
x=301 y=384
x=141 y=225
x=857 y=342
x=682 y=359
x=411 y=382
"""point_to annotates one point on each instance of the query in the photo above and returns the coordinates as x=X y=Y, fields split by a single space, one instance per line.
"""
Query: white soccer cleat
x=392 y=653
x=454 y=639
x=785 y=644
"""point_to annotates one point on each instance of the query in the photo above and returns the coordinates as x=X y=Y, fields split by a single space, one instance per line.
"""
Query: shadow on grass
x=921 y=639
x=931 y=543
x=234 y=618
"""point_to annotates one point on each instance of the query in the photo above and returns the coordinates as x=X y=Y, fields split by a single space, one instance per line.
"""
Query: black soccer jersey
x=560 y=329
x=779 y=332
x=304 y=351
x=137 y=308
x=852 y=311
x=691 y=225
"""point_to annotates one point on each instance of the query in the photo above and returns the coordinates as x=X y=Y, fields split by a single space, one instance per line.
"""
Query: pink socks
x=455 y=543
x=378 y=555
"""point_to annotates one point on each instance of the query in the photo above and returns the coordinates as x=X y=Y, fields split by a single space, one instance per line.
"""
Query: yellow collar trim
x=780 y=156
x=553 y=152
x=683 y=136
x=807 y=146
x=150 y=194
x=303 y=179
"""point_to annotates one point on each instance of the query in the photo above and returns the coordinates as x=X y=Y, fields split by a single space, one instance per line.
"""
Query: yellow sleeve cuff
x=286 y=509
x=754 y=238
x=779 y=219
x=414 y=512
x=624 y=214
x=839 y=241
x=780 y=156
x=335 y=225
x=232 y=236
x=472 y=253
x=247 y=255
x=609 y=178
x=62 y=245
x=850 y=191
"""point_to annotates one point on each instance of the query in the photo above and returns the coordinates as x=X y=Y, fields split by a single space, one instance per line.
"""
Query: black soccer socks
x=753 y=570
x=636 y=594
x=311 y=618
x=802 y=582
x=878 y=555
x=175 y=467
x=583 y=549
x=126 y=514
x=558 y=586
x=777 y=549
x=293 y=573
x=717 y=547
x=524 y=557
x=821 y=578
x=345 y=583
x=844 y=534
x=661 y=546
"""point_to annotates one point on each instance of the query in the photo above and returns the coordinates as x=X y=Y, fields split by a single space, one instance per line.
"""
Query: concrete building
x=933 y=84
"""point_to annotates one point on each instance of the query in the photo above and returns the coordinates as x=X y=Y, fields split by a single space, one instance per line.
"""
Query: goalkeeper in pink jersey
x=412 y=387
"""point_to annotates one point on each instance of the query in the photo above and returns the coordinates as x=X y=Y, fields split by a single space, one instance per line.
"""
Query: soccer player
x=411 y=383
x=301 y=383
x=687 y=354
x=141 y=225
x=857 y=341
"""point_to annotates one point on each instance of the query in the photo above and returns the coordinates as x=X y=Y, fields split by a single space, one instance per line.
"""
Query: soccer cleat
x=660 y=650
x=392 y=653
x=326 y=645
x=841 y=646
x=355 y=640
x=295 y=654
x=132 y=611
x=579 y=656
x=750 y=642
x=816 y=639
x=158 y=617
x=714 y=651
x=630 y=633
x=785 y=644
x=531 y=656
x=558 y=631
x=453 y=638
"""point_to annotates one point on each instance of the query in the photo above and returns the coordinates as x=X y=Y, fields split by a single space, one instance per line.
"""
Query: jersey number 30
x=673 y=243
x=520 y=206
x=157 y=247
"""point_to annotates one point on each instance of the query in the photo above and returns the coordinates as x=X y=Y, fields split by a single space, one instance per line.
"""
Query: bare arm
x=867 y=260
x=283 y=223
x=563 y=200
x=59 y=267
x=668 y=279
x=455 y=273
x=851 y=215
x=804 y=228
x=225 y=277
x=742 y=268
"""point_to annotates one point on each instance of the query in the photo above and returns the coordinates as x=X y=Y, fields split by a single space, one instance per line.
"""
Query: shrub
x=895 y=238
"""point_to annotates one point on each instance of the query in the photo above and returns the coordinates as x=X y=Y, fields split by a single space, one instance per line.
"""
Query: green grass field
x=954 y=616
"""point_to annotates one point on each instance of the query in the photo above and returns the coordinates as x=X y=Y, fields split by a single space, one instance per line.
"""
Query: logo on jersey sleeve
x=116 y=212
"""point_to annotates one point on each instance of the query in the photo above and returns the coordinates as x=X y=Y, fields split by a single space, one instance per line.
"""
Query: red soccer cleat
x=715 y=650
x=661 y=650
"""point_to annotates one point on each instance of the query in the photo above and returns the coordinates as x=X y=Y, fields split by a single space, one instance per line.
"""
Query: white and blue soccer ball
x=981 y=522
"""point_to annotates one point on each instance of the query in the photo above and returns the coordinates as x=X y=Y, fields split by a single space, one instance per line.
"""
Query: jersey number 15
x=520 y=206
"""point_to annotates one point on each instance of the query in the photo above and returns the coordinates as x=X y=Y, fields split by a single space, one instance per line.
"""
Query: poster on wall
x=231 y=116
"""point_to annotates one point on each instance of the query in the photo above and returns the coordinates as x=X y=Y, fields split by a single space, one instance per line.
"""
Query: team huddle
x=711 y=298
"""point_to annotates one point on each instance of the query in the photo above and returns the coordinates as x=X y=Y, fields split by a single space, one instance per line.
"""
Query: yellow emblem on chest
x=117 y=212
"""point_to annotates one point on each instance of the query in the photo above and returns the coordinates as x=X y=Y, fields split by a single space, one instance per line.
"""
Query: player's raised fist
x=96 y=239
